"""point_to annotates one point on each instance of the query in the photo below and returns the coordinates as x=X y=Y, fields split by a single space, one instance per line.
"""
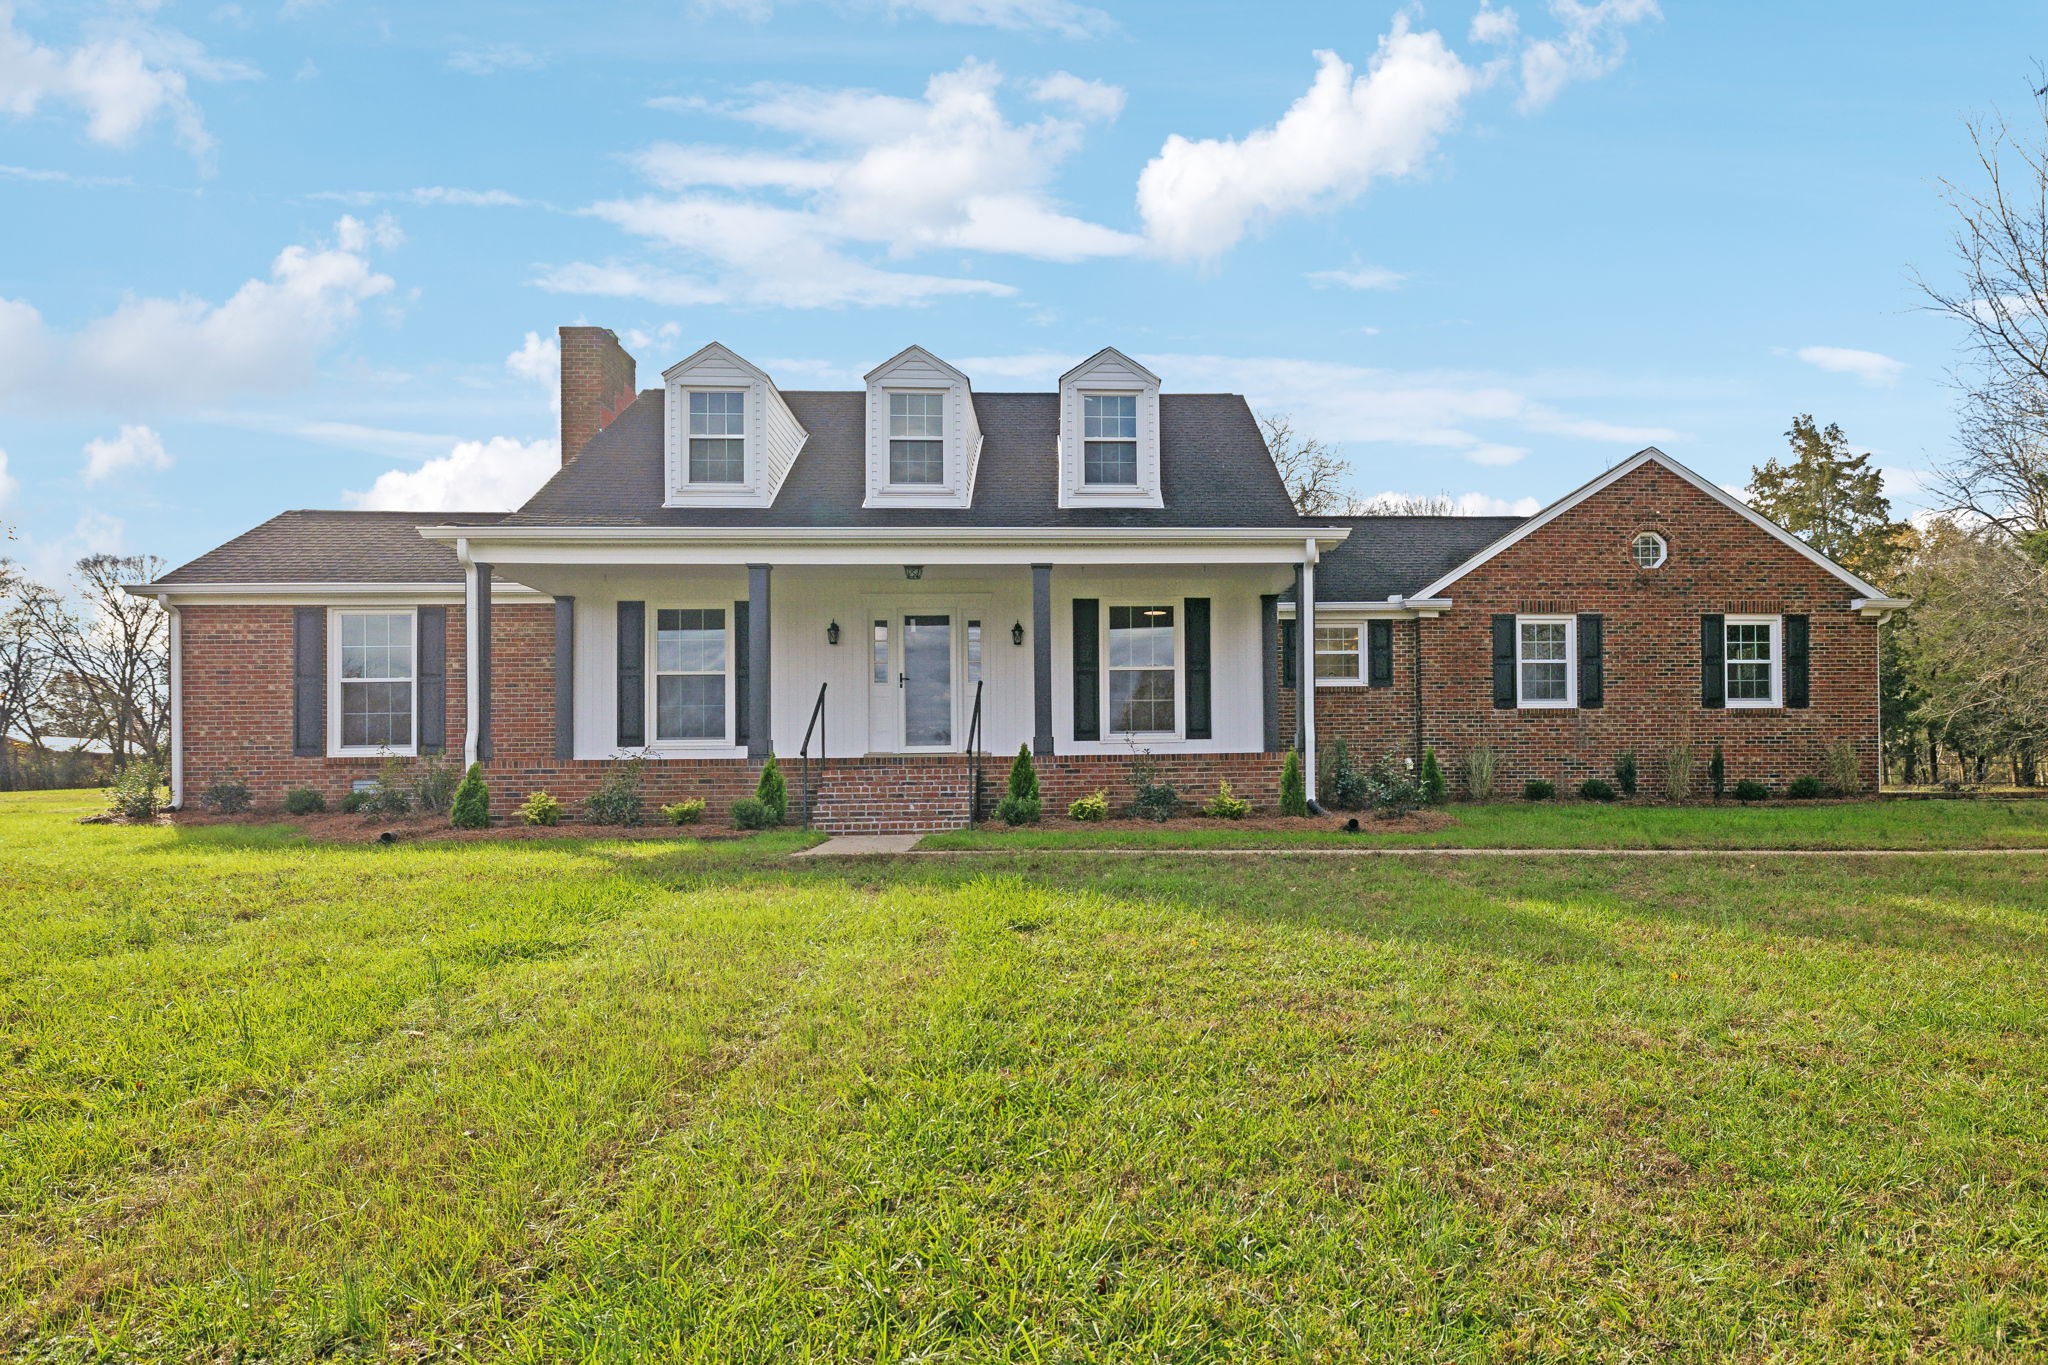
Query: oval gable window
x=1649 y=550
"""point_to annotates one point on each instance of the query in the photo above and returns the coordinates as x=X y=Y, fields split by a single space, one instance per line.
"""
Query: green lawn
x=1890 y=824
x=642 y=1100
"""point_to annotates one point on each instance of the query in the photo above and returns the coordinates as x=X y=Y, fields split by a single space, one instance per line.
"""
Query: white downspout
x=469 y=679
x=177 y=703
x=1305 y=613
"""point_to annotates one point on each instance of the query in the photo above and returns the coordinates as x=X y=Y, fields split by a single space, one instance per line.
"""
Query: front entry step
x=925 y=794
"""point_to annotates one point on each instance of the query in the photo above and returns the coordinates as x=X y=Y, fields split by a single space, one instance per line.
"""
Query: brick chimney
x=597 y=385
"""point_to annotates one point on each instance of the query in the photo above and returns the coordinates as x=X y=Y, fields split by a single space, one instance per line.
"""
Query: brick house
x=890 y=580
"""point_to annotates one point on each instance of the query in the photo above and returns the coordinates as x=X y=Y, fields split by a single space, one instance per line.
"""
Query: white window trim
x=948 y=483
x=1364 y=662
x=1777 y=697
x=335 y=748
x=1663 y=550
x=1137 y=483
x=1180 y=671
x=652 y=647
x=1571 y=660
x=746 y=479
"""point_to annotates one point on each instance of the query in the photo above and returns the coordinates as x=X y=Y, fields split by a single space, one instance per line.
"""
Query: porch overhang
x=1395 y=608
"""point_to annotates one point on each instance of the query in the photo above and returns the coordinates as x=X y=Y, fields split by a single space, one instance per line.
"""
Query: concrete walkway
x=862 y=846
x=894 y=845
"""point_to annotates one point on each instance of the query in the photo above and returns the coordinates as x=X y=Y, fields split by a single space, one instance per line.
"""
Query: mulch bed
x=335 y=827
x=1418 y=822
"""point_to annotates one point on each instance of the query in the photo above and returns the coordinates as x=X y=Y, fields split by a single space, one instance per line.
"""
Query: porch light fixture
x=1017 y=633
x=832 y=634
x=913 y=572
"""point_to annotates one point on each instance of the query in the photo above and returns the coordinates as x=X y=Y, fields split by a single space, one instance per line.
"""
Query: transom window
x=1750 y=655
x=689 y=674
x=374 y=661
x=1109 y=438
x=1338 y=659
x=1648 y=550
x=1543 y=660
x=718 y=436
x=1141 y=670
x=917 y=438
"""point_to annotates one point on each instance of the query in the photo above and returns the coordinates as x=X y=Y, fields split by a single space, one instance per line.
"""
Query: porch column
x=177 y=647
x=480 y=657
x=1041 y=658
x=1305 y=664
x=760 y=743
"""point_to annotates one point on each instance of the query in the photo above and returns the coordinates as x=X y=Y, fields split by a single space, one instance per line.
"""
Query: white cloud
x=9 y=485
x=539 y=360
x=135 y=448
x=177 y=352
x=1198 y=198
x=493 y=58
x=1495 y=455
x=1363 y=277
x=1090 y=99
x=1590 y=46
x=1054 y=16
x=1492 y=25
x=476 y=476
x=426 y=196
x=1869 y=366
x=1464 y=504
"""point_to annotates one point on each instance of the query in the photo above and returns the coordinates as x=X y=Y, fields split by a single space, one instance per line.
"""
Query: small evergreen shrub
x=304 y=801
x=686 y=812
x=616 y=799
x=1434 y=788
x=1803 y=788
x=1391 y=789
x=1226 y=804
x=1625 y=772
x=1749 y=789
x=1678 y=773
x=1293 y=793
x=541 y=808
x=1020 y=804
x=1479 y=773
x=772 y=792
x=470 y=807
x=1536 y=789
x=1341 y=783
x=1840 y=773
x=357 y=802
x=434 y=783
x=138 y=790
x=1152 y=796
x=1595 y=789
x=1717 y=773
x=751 y=812
x=229 y=796
x=1090 y=809
x=392 y=795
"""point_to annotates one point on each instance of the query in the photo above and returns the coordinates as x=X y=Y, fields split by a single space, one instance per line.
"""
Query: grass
x=2017 y=824
x=594 y=1100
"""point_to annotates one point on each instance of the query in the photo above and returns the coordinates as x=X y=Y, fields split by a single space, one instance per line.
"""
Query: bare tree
x=24 y=675
x=1315 y=475
x=108 y=655
x=1410 y=505
x=1979 y=630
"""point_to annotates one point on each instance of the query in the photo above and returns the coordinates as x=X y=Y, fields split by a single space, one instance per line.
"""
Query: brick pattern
x=598 y=383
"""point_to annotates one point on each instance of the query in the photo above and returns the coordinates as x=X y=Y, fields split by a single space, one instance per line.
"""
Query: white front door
x=924 y=657
x=925 y=679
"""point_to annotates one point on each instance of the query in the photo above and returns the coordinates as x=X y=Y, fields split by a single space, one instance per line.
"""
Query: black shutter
x=431 y=625
x=1197 y=609
x=1713 y=673
x=1087 y=668
x=565 y=678
x=1290 y=654
x=1796 y=671
x=1379 y=653
x=1592 y=662
x=309 y=682
x=742 y=671
x=1504 y=663
x=632 y=675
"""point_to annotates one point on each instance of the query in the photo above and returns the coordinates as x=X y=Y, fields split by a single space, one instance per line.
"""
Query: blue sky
x=262 y=255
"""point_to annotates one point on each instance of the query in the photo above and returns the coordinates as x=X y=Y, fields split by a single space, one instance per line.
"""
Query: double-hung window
x=1339 y=659
x=689 y=675
x=917 y=438
x=1752 y=656
x=1142 y=660
x=1109 y=439
x=1543 y=660
x=718 y=436
x=374 y=672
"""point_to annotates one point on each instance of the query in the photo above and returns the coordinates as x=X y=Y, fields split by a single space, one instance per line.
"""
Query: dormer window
x=1110 y=434
x=718 y=436
x=1109 y=429
x=924 y=438
x=730 y=438
x=917 y=438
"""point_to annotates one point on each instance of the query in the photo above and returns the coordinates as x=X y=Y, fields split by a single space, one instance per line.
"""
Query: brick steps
x=917 y=795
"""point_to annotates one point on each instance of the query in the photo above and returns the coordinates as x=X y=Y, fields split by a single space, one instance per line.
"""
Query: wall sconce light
x=1017 y=633
x=913 y=572
x=832 y=634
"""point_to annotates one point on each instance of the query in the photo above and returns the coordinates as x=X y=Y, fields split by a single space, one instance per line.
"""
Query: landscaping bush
x=1839 y=770
x=1479 y=773
x=304 y=801
x=541 y=808
x=1090 y=809
x=357 y=801
x=1625 y=772
x=1804 y=788
x=1152 y=796
x=1434 y=788
x=1020 y=804
x=616 y=800
x=434 y=783
x=138 y=791
x=392 y=795
x=1293 y=794
x=1749 y=789
x=1717 y=773
x=1594 y=789
x=1536 y=789
x=772 y=792
x=1226 y=804
x=686 y=812
x=1391 y=788
x=470 y=807
x=1678 y=773
x=751 y=812
x=1341 y=783
x=229 y=796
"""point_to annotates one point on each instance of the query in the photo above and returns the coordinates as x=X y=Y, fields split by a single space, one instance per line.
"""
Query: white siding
x=919 y=370
x=774 y=436
x=1110 y=371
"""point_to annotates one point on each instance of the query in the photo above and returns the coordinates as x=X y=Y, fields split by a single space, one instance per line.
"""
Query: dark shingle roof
x=1215 y=469
x=1388 y=556
x=335 y=547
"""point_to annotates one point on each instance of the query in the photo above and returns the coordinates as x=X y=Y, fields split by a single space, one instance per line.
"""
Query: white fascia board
x=690 y=361
x=1394 y=608
x=1621 y=471
x=1324 y=538
x=314 y=593
x=918 y=353
x=1137 y=370
x=1879 y=607
x=792 y=554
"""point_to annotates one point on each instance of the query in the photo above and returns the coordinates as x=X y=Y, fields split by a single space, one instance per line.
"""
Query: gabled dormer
x=924 y=441
x=1109 y=433
x=730 y=438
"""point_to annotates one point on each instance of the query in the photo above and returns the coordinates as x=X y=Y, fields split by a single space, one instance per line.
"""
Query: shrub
x=392 y=794
x=686 y=812
x=1594 y=789
x=434 y=783
x=1090 y=809
x=1226 y=804
x=1804 y=788
x=357 y=801
x=751 y=812
x=1536 y=789
x=1479 y=773
x=1678 y=773
x=1434 y=787
x=1625 y=772
x=1020 y=804
x=616 y=799
x=1717 y=772
x=1340 y=782
x=1293 y=795
x=229 y=796
x=772 y=792
x=1749 y=789
x=1152 y=796
x=138 y=790
x=1391 y=788
x=470 y=808
x=1839 y=770
x=304 y=801
x=541 y=808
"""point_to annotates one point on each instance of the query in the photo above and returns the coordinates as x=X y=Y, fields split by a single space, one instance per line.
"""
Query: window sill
x=1752 y=706
x=1340 y=682
x=379 y=751
x=1546 y=706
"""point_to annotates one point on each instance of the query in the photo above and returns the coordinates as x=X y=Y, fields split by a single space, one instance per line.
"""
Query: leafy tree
x=1832 y=499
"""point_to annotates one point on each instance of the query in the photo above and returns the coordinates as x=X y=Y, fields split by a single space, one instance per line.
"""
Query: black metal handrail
x=804 y=754
x=974 y=760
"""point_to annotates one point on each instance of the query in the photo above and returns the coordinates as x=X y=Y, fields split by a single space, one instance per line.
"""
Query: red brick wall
x=597 y=384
